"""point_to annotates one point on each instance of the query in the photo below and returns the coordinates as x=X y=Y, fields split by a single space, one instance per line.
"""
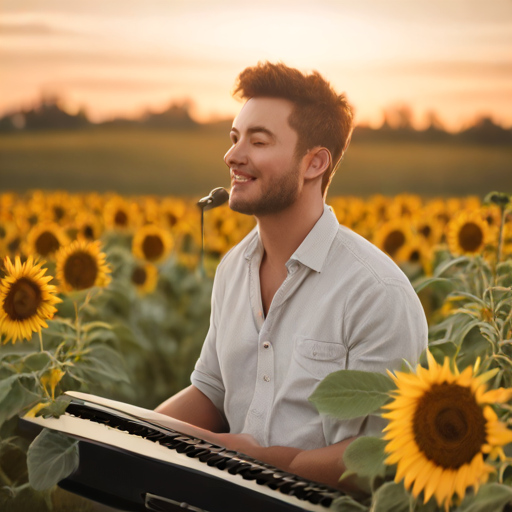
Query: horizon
x=120 y=59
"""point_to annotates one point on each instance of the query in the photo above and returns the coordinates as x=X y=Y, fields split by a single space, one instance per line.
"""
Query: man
x=300 y=296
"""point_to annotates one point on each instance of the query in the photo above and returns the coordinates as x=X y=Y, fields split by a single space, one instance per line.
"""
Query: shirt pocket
x=319 y=358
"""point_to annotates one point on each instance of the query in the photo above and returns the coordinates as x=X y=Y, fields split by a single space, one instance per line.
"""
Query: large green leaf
x=6 y=386
x=347 y=394
x=491 y=497
x=51 y=457
x=391 y=497
x=16 y=399
x=365 y=456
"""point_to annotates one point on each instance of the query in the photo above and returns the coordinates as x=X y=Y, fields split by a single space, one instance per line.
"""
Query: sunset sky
x=119 y=57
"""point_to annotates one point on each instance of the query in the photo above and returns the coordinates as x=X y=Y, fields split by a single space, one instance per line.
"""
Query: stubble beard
x=277 y=196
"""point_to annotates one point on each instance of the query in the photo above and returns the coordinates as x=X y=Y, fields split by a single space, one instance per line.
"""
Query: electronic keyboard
x=135 y=459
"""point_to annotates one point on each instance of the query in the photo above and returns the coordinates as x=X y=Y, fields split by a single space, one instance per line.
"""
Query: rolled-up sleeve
x=207 y=376
x=382 y=326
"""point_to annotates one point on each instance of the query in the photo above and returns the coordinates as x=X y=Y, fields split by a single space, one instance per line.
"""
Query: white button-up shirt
x=343 y=305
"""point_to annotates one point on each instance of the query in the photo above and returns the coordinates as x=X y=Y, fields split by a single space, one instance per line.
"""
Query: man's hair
x=320 y=116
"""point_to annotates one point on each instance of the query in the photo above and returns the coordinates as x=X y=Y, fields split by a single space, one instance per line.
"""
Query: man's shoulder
x=351 y=250
x=236 y=254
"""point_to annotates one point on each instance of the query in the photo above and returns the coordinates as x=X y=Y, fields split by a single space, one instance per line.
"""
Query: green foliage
x=350 y=394
x=391 y=496
x=365 y=457
x=51 y=458
x=490 y=497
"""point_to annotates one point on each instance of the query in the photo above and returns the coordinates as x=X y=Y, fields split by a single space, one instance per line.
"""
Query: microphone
x=217 y=197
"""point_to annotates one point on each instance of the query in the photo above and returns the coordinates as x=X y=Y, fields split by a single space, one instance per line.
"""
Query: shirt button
x=266 y=344
x=266 y=378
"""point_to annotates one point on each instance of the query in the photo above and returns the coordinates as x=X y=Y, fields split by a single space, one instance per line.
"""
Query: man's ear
x=319 y=161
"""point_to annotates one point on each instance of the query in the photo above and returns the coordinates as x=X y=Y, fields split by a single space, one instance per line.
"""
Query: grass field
x=141 y=161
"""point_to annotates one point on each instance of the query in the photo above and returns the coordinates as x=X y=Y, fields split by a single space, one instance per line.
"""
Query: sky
x=122 y=57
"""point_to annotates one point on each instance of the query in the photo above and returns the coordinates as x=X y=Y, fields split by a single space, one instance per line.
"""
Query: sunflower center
x=46 y=243
x=449 y=425
x=139 y=276
x=121 y=219
x=22 y=300
x=415 y=256
x=171 y=219
x=470 y=237
x=80 y=270
x=425 y=231
x=394 y=241
x=88 y=232
x=58 y=212
x=152 y=247
x=3 y=232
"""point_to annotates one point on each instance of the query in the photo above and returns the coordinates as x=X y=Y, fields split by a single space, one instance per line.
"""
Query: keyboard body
x=131 y=461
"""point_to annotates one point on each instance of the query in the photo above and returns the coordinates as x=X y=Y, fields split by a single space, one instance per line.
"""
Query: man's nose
x=236 y=155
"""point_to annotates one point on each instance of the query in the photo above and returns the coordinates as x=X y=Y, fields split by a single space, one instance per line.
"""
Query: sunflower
x=392 y=235
x=26 y=299
x=441 y=426
x=45 y=239
x=145 y=278
x=88 y=226
x=81 y=265
x=121 y=215
x=172 y=211
x=468 y=233
x=152 y=243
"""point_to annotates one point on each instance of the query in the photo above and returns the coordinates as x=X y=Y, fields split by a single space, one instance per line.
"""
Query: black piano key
x=196 y=452
x=213 y=461
x=156 y=436
x=183 y=447
x=239 y=468
x=252 y=473
x=326 y=501
x=265 y=476
x=231 y=463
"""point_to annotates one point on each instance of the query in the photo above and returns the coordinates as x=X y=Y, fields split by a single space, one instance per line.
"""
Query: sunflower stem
x=5 y=478
x=500 y=240
x=77 y=323
x=41 y=341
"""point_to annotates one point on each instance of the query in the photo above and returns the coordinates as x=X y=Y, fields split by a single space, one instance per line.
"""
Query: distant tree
x=176 y=116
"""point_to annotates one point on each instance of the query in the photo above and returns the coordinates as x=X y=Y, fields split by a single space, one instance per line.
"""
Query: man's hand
x=243 y=443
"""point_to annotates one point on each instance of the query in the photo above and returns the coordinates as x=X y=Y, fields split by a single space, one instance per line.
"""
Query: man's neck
x=282 y=233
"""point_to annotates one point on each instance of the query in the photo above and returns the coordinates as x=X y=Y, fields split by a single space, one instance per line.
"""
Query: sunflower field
x=107 y=294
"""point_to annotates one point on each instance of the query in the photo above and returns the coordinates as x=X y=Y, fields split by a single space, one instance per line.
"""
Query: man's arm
x=324 y=465
x=193 y=406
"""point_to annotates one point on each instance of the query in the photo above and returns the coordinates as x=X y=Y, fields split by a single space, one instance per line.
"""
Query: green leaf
x=105 y=362
x=6 y=385
x=365 y=456
x=16 y=399
x=423 y=283
x=391 y=496
x=56 y=408
x=51 y=457
x=347 y=504
x=490 y=497
x=348 y=394
x=95 y=325
x=37 y=361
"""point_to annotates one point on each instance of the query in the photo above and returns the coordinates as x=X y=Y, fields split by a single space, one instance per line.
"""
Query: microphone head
x=217 y=197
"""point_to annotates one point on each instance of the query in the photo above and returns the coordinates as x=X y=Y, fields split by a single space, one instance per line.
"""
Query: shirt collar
x=312 y=252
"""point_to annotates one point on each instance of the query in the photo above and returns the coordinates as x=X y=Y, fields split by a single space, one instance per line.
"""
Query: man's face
x=265 y=175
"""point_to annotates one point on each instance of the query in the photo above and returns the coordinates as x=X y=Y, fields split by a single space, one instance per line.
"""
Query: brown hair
x=320 y=117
